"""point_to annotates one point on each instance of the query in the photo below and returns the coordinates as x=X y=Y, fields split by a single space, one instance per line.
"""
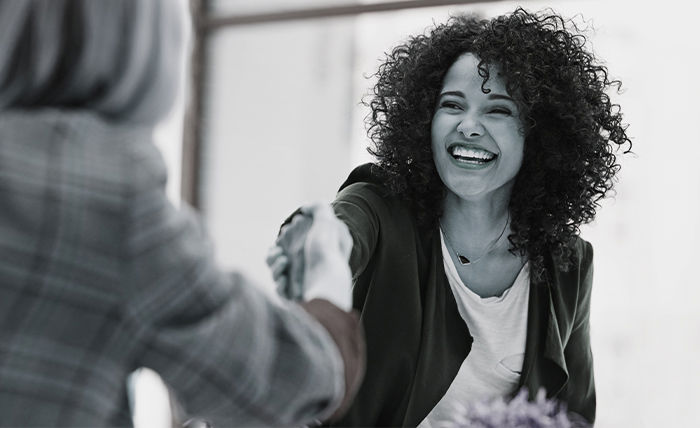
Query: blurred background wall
x=282 y=125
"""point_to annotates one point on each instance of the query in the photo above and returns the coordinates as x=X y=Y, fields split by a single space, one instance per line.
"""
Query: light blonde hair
x=118 y=58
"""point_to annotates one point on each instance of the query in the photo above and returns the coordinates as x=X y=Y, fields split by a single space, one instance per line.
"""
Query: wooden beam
x=192 y=130
x=216 y=22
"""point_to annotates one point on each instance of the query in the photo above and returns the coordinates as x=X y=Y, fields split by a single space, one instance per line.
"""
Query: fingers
x=315 y=229
x=277 y=261
x=273 y=254
x=283 y=286
x=292 y=235
x=285 y=228
x=279 y=266
x=313 y=248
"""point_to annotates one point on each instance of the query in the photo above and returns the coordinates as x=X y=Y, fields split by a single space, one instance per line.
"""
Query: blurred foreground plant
x=519 y=412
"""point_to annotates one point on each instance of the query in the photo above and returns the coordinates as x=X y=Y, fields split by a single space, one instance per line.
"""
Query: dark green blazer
x=416 y=339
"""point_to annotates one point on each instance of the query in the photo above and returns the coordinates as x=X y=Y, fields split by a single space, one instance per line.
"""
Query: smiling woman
x=494 y=141
x=474 y=130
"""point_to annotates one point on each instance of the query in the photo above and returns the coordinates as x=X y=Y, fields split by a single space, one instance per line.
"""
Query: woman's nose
x=470 y=127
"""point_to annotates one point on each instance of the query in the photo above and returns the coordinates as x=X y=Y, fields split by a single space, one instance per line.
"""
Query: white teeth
x=465 y=152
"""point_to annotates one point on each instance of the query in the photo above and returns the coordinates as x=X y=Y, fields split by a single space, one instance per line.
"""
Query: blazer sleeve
x=580 y=389
x=232 y=354
x=360 y=208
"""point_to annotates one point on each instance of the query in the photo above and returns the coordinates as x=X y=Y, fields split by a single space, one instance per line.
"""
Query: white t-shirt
x=499 y=328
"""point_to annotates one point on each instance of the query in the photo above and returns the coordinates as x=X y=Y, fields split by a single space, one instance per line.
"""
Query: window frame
x=205 y=23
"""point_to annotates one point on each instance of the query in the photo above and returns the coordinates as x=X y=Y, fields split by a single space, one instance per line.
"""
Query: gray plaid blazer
x=100 y=275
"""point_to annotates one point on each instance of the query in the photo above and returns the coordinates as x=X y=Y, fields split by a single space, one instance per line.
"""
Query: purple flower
x=516 y=413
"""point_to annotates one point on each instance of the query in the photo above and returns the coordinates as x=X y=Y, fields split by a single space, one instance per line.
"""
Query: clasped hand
x=310 y=257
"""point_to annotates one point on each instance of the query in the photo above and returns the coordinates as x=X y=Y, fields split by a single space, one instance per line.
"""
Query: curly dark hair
x=572 y=128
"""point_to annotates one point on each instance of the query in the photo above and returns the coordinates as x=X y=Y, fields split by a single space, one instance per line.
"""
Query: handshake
x=310 y=257
x=310 y=265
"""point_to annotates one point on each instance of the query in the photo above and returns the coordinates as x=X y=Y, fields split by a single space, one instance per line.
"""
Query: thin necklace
x=465 y=261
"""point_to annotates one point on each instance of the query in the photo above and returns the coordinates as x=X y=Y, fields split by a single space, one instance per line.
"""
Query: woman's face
x=477 y=138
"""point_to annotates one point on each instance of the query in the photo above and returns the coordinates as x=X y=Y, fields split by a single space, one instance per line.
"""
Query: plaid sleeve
x=233 y=355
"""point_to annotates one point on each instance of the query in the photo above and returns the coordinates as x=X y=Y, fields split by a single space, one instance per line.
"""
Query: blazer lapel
x=544 y=364
x=445 y=340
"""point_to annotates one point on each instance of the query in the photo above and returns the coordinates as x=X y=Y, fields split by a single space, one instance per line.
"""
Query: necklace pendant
x=465 y=261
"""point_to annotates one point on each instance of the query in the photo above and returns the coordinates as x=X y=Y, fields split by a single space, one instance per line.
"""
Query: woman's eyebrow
x=493 y=96
x=454 y=93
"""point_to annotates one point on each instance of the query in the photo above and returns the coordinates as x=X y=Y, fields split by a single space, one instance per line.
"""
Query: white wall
x=276 y=129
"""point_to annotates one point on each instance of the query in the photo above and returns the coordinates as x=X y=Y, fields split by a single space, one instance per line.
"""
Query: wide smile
x=471 y=156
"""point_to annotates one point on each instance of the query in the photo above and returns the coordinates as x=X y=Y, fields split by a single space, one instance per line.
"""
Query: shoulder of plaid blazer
x=416 y=339
x=100 y=274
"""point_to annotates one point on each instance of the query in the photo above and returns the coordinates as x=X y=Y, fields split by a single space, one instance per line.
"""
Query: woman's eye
x=450 y=105
x=503 y=111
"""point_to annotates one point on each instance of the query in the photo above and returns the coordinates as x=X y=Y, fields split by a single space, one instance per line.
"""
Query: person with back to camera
x=494 y=142
x=100 y=274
